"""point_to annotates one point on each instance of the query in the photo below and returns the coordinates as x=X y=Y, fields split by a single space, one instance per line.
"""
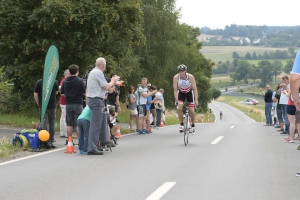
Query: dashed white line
x=217 y=140
x=231 y=127
x=161 y=191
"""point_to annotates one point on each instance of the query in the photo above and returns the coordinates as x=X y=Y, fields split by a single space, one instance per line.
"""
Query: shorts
x=72 y=113
x=153 y=112
x=141 y=109
x=290 y=109
x=188 y=96
x=133 y=112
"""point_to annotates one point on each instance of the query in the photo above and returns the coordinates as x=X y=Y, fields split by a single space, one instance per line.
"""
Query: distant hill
x=239 y=35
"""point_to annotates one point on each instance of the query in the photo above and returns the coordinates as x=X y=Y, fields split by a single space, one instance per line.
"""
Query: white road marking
x=232 y=127
x=24 y=158
x=161 y=191
x=217 y=140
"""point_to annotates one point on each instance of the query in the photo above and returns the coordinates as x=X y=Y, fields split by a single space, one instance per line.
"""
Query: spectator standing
x=142 y=93
x=62 y=103
x=73 y=88
x=83 y=123
x=132 y=107
x=49 y=119
x=276 y=99
x=268 y=104
x=159 y=106
x=96 y=89
x=113 y=96
x=152 y=107
x=283 y=87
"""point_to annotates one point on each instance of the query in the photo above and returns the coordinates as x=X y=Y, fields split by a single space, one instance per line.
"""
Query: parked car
x=254 y=100
x=248 y=101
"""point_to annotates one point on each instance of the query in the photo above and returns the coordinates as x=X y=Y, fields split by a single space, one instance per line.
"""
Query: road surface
x=235 y=158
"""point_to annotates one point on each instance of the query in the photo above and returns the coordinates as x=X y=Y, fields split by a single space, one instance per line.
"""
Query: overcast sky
x=219 y=13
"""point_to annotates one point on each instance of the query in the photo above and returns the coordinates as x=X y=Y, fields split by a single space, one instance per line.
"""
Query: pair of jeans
x=98 y=124
x=84 y=128
x=285 y=118
x=268 y=108
x=158 y=117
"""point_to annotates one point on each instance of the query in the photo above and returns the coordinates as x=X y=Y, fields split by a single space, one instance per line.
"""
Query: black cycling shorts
x=189 y=97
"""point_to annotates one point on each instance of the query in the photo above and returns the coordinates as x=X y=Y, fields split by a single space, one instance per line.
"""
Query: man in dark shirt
x=49 y=119
x=73 y=88
x=268 y=104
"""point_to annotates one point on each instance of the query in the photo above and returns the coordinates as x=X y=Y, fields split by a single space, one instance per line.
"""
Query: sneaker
x=276 y=126
x=181 y=128
x=289 y=140
x=283 y=133
x=298 y=174
x=83 y=152
x=140 y=131
x=149 y=131
x=144 y=131
x=280 y=130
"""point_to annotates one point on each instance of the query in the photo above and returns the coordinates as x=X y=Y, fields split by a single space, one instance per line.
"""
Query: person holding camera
x=283 y=101
x=268 y=104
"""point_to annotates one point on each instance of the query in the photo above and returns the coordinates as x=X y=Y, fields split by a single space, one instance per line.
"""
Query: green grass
x=7 y=148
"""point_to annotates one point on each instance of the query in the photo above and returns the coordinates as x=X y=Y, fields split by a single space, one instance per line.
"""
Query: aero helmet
x=181 y=68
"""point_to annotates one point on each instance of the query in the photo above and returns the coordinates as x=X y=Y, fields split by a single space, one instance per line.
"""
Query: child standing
x=83 y=123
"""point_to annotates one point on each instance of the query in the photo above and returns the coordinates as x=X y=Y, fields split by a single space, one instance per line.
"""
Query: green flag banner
x=51 y=67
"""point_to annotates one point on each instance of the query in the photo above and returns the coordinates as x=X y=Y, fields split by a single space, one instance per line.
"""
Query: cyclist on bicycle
x=221 y=115
x=184 y=86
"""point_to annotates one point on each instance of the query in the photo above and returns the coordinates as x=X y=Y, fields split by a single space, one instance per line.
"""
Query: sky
x=219 y=13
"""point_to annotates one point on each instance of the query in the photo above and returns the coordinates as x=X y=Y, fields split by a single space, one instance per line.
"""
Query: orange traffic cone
x=118 y=134
x=70 y=147
x=162 y=123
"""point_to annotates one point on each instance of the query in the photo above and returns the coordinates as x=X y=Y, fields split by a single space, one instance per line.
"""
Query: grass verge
x=7 y=148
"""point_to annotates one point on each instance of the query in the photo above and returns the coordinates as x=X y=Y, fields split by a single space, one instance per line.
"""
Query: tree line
x=278 y=54
x=137 y=38
x=275 y=36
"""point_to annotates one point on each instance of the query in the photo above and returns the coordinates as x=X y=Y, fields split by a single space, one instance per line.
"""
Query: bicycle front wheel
x=186 y=131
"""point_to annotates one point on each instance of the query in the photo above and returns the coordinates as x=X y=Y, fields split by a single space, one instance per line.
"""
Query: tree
x=235 y=55
x=288 y=67
x=265 y=72
x=248 y=56
x=242 y=71
x=82 y=30
x=215 y=93
x=276 y=66
x=254 y=56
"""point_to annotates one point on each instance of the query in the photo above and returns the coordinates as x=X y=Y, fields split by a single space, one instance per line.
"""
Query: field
x=223 y=53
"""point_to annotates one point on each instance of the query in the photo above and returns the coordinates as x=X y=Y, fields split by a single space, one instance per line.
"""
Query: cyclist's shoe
x=193 y=130
x=181 y=128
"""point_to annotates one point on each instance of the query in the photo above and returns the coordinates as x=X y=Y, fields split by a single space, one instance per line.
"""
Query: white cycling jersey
x=184 y=85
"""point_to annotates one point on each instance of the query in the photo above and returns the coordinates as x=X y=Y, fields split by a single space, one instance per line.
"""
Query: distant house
x=247 y=40
x=256 y=41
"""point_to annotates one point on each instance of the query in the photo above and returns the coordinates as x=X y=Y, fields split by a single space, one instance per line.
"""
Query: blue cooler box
x=33 y=139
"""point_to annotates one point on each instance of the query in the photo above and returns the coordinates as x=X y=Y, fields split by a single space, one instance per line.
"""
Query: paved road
x=235 y=158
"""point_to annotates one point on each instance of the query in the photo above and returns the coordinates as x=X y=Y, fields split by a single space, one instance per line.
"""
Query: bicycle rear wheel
x=186 y=131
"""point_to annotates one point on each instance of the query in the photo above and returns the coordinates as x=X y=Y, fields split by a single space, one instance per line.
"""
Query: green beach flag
x=51 y=67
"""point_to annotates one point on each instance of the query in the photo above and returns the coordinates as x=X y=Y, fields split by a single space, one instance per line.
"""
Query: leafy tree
x=242 y=71
x=235 y=55
x=291 y=51
x=82 y=30
x=248 y=56
x=266 y=55
x=215 y=93
x=288 y=67
x=265 y=72
x=276 y=66
x=254 y=56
